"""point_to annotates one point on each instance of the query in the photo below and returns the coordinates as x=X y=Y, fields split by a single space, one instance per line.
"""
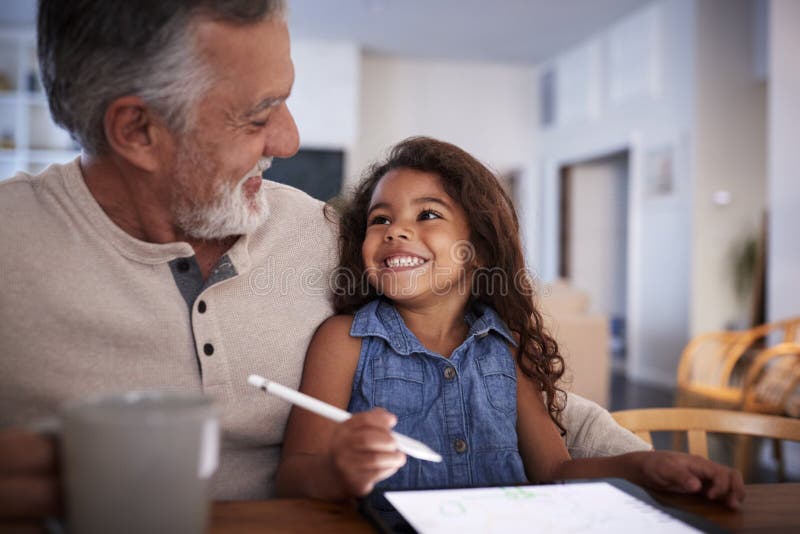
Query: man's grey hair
x=92 y=52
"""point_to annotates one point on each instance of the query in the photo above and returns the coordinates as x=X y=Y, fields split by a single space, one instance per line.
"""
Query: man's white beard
x=230 y=213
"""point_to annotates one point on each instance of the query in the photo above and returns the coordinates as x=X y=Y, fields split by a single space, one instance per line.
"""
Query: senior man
x=160 y=259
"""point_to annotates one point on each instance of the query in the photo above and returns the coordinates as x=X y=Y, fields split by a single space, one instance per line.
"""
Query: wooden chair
x=714 y=367
x=738 y=370
x=772 y=382
x=698 y=422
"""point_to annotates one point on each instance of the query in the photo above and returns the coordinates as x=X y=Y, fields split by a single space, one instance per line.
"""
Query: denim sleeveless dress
x=463 y=407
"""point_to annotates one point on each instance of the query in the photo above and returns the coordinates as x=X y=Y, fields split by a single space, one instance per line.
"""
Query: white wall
x=598 y=233
x=488 y=109
x=17 y=13
x=638 y=97
x=730 y=155
x=783 y=263
x=364 y=104
x=325 y=97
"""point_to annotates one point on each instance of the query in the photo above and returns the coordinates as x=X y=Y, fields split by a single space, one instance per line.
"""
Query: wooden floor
x=626 y=394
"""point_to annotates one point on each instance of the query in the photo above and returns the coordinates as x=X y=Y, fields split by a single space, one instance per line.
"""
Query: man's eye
x=427 y=215
x=258 y=124
x=379 y=219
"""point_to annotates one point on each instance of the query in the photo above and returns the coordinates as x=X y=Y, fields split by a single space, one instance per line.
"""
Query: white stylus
x=408 y=445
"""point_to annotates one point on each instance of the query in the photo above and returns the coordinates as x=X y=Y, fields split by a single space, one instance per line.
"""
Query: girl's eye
x=427 y=215
x=379 y=219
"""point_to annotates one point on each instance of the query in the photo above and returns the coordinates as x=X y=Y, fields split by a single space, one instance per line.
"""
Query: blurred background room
x=651 y=147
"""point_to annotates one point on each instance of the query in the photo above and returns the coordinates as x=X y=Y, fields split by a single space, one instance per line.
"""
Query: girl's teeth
x=405 y=261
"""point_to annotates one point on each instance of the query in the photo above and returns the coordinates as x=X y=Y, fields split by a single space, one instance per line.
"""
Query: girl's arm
x=546 y=458
x=540 y=445
x=327 y=460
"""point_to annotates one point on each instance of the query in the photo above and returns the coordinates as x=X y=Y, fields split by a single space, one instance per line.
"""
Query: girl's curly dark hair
x=494 y=229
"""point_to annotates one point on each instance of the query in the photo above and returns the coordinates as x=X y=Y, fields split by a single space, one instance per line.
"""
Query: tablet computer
x=601 y=505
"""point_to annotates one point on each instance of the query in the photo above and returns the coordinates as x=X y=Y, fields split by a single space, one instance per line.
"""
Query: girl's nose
x=396 y=232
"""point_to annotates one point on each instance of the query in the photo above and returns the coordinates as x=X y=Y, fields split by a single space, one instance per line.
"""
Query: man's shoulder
x=292 y=208
x=24 y=186
x=297 y=218
x=32 y=218
x=19 y=189
x=282 y=196
x=23 y=197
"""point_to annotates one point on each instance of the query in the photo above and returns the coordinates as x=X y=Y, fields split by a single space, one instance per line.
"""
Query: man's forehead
x=218 y=28
x=231 y=47
x=251 y=64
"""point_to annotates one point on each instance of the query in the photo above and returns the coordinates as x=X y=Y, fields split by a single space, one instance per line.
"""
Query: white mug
x=139 y=462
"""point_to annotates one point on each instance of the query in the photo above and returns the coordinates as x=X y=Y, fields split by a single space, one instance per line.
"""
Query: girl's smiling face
x=417 y=239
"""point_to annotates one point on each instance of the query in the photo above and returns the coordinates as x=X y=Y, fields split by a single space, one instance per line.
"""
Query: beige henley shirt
x=85 y=308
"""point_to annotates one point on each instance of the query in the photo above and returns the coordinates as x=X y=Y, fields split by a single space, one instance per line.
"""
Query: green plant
x=743 y=263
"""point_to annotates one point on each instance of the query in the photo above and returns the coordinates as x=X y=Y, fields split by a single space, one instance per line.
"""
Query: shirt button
x=183 y=266
x=460 y=445
x=201 y=306
x=208 y=348
x=449 y=373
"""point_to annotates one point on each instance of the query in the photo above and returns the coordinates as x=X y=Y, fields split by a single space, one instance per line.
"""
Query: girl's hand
x=363 y=451
x=686 y=473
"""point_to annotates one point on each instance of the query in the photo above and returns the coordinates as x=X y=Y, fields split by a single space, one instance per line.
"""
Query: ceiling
x=492 y=30
x=499 y=30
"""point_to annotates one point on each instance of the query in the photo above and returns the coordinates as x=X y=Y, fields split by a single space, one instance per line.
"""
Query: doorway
x=593 y=239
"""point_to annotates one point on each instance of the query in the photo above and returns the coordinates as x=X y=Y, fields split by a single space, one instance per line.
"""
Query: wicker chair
x=715 y=368
x=772 y=382
x=741 y=371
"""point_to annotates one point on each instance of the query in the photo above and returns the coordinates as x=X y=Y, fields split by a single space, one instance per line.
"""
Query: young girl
x=438 y=338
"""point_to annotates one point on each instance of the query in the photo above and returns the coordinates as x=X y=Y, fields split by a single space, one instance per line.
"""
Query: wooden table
x=769 y=508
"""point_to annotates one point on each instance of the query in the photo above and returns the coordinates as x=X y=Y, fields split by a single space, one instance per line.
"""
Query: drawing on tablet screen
x=452 y=508
x=596 y=507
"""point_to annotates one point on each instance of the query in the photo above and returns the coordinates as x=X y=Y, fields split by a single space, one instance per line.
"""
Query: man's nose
x=284 y=139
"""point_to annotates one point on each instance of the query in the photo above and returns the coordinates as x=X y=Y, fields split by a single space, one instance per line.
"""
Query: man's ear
x=135 y=132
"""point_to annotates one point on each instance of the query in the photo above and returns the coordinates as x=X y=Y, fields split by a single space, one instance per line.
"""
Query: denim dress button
x=449 y=373
x=460 y=445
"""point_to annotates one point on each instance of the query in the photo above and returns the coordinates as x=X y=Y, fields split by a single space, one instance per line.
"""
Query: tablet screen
x=578 y=507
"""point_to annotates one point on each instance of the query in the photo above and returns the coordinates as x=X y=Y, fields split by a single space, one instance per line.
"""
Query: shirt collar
x=381 y=319
x=482 y=318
